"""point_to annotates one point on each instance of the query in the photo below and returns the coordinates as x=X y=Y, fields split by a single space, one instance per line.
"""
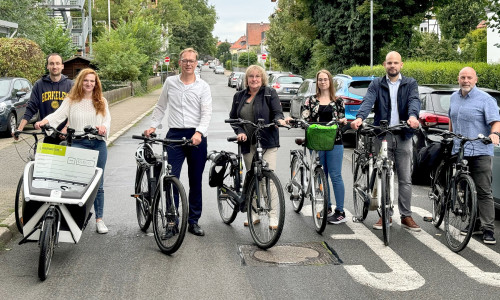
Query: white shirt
x=393 y=91
x=80 y=114
x=189 y=105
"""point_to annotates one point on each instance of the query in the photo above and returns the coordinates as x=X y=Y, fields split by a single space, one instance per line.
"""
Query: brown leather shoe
x=408 y=223
x=378 y=225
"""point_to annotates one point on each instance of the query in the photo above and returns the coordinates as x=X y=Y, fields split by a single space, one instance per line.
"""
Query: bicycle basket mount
x=218 y=169
x=144 y=155
x=321 y=138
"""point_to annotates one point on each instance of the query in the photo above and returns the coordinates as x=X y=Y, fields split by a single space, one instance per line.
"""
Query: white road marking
x=489 y=278
x=402 y=277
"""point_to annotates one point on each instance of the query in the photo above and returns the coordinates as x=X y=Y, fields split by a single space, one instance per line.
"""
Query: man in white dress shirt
x=189 y=105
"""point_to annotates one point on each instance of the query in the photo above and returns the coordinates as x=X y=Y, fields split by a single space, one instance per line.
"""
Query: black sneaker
x=171 y=230
x=476 y=231
x=488 y=237
x=337 y=218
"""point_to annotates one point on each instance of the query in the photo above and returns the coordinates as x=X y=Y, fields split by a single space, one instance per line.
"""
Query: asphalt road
x=224 y=264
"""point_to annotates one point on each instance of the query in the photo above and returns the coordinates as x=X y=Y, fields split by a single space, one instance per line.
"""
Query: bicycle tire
x=460 y=213
x=437 y=197
x=228 y=209
x=143 y=202
x=264 y=228
x=360 y=190
x=296 y=194
x=170 y=216
x=47 y=242
x=18 y=205
x=386 y=207
x=320 y=200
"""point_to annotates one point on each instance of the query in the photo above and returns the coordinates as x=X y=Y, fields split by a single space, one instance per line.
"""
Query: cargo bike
x=59 y=188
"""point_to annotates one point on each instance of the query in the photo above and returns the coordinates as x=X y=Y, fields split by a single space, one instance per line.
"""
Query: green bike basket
x=320 y=137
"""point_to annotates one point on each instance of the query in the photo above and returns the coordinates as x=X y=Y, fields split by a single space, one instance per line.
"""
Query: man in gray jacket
x=395 y=99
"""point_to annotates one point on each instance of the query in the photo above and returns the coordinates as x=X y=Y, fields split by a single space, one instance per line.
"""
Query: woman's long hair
x=76 y=93
x=331 y=89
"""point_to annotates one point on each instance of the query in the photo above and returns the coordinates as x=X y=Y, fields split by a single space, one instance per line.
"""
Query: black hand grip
x=232 y=139
x=230 y=121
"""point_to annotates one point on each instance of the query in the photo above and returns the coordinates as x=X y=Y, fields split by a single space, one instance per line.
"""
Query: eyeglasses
x=188 y=62
x=322 y=79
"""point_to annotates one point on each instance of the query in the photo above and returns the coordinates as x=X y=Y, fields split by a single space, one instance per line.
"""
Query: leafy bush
x=21 y=57
x=229 y=65
x=428 y=72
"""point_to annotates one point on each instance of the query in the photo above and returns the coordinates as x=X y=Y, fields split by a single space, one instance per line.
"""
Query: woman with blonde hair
x=85 y=105
x=324 y=106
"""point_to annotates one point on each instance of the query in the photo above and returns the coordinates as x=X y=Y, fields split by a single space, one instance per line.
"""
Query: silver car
x=286 y=86
x=240 y=82
x=306 y=89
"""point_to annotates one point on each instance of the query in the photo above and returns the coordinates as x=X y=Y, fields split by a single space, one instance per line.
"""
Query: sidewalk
x=124 y=114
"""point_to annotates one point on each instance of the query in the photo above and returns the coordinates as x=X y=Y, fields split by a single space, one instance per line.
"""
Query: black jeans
x=480 y=168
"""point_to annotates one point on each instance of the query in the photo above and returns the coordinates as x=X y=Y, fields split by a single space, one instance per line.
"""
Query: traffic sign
x=167 y=59
x=264 y=56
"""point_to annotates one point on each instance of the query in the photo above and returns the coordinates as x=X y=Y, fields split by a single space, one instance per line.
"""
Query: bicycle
x=453 y=191
x=308 y=179
x=260 y=194
x=160 y=198
x=373 y=175
x=57 y=208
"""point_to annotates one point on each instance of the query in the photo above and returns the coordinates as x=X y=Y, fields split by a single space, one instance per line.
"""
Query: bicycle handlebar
x=449 y=134
x=259 y=125
x=152 y=139
x=296 y=123
x=370 y=129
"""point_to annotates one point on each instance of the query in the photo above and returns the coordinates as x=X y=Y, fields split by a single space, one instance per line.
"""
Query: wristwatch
x=497 y=133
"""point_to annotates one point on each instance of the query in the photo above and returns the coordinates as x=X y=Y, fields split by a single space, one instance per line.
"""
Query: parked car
x=435 y=102
x=306 y=89
x=286 y=85
x=231 y=81
x=351 y=90
x=240 y=82
x=197 y=72
x=219 y=70
x=14 y=95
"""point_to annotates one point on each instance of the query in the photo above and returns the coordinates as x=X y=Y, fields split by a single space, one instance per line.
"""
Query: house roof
x=74 y=58
x=239 y=44
x=254 y=32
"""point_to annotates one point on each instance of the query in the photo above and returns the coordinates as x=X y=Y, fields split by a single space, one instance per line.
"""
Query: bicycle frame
x=308 y=167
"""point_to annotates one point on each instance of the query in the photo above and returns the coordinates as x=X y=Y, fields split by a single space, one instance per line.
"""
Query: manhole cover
x=293 y=254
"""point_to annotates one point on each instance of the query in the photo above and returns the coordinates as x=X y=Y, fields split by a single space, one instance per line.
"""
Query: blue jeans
x=100 y=146
x=332 y=165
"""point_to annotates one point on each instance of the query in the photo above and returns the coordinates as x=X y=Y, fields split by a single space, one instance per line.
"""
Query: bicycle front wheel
x=170 y=214
x=437 y=196
x=296 y=184
x=360 y=190
x=143 y=202
x=385 y=207
x=227 y=205
x=266 y=210
x=18 y=205
x=320 y=200
x=460 y=213
x=47 y=243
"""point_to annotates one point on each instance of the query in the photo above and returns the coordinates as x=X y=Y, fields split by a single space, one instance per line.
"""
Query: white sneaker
x=100 y=227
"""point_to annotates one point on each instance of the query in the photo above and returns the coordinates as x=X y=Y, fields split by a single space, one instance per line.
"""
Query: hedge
x=428 y=72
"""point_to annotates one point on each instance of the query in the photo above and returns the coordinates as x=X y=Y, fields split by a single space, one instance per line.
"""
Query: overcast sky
x=234 y=14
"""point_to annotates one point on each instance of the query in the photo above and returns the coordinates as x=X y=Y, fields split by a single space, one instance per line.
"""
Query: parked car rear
x=305 y=90
x=232 y=79
x=240 y=82
x=286 y=85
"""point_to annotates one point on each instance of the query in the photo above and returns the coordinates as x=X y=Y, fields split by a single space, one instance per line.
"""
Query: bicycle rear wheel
x=266 y=210
x=437 y=197
x=228 y=209
x=47 y=243
x=460 y=214
x=143 y=202
x=18 y=205
x=360 y=190
x=320 y=200
x=296 y=184
x=386 y=207
x=170 y=214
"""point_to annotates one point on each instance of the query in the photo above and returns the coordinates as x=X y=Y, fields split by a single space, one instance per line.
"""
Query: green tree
x=59 y=41
x=20 y=57
x=120 y=10
x=118 y=57
x=246 y=59
x=223 y=53
x=30 y=16
x=473 y=46
x=458 y=17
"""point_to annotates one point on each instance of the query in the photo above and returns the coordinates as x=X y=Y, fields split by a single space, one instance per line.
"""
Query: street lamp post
x=371 y=34
x=109 y=17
